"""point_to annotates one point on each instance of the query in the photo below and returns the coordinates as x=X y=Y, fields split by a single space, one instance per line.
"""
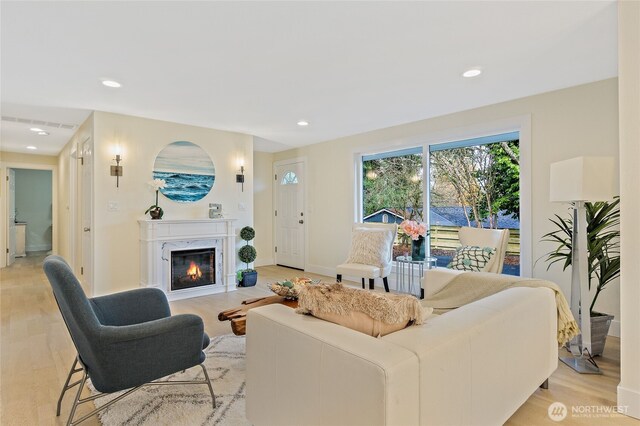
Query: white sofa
x=471 y=366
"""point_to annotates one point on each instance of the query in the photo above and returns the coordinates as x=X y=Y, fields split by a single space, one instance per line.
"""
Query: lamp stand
x=580 y=346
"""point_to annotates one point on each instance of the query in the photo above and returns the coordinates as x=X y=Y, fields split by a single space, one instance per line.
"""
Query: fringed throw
x=471 y=286
x=340 y=300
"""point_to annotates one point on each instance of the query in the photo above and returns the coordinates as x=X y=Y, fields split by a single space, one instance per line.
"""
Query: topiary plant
x=247 y=254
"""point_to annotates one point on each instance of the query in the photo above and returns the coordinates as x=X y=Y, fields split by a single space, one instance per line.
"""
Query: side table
x=409 y=272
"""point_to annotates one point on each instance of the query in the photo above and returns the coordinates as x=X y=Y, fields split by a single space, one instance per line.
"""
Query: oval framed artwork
x=187 y=169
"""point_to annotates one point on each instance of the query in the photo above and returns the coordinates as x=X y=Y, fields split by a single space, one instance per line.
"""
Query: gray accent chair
x=125 y=340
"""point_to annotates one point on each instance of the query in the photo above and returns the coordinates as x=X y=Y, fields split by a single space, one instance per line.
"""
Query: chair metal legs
x=78 y=400
x=206 y=376
x=66 y=386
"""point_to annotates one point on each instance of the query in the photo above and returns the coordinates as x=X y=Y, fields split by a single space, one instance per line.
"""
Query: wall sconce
x=117 y=169
x=240 y=176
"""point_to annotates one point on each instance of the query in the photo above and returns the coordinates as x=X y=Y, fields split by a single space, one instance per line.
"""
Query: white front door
x=290 y=215
x=86 y=207
x=11 y=219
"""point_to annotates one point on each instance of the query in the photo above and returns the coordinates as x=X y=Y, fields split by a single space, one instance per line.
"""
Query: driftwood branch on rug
x=238 y=315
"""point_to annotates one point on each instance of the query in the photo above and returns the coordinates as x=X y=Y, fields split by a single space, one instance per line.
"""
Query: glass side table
x=409 y=274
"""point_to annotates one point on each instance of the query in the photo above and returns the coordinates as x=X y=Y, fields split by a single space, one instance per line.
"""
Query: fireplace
x=162 y=240
x=193 y=268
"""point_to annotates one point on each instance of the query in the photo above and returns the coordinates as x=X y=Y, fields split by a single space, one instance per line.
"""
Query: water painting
x=187 y=170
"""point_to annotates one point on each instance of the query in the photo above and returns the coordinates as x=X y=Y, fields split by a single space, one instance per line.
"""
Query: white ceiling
x=259 y=67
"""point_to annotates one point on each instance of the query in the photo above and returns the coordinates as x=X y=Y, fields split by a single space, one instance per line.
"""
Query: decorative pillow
x=372 y=313
x=471 y=258
x=370 y=247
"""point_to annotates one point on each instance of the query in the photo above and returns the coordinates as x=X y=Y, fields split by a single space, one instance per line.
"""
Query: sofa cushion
x=472 y=258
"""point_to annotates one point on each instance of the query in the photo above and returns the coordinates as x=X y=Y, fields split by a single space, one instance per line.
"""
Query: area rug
x=189 y=404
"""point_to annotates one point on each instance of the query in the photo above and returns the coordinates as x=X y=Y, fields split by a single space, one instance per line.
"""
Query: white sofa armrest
x=302 y=371
x=435 y=279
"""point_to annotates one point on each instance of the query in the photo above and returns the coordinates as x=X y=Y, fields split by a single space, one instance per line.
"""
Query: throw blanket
x=471 y=286
x=340 y=300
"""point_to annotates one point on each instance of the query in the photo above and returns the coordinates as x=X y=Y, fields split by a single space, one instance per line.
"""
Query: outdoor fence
x=446 y=238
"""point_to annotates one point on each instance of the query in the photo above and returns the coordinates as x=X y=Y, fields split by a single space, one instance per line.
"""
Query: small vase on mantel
x=418 y=248
x=156 y=213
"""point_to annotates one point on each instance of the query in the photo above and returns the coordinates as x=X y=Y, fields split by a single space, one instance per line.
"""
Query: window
x=289 y=178
x=471 y=182
x=475 y=182
x=393 y=190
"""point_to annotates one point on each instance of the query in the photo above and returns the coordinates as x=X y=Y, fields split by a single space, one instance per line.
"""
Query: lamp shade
x=583 y=179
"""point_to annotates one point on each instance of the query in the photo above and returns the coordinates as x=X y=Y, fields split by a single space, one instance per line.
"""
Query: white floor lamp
x=577 y=181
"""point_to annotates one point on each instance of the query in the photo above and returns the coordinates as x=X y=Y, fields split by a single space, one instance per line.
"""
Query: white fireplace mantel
x=158 y=238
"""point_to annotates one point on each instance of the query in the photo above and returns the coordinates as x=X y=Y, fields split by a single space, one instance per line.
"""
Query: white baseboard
x=263 y=262
x=630 y=400
x=614 y=329
x=321 y=270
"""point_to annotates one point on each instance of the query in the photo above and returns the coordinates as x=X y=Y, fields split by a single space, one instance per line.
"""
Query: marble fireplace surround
x=158 y=238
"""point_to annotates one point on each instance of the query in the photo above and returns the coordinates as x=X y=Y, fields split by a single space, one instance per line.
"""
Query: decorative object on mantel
x=590 y=248
x=187 y=170
x=215 y=211
x=290 y=289
x=247 y=277
x=417 y=231
x=155 y=210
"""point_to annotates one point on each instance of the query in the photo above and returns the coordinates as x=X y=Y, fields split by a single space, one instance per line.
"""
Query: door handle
x=301 y=221
x=87 y=229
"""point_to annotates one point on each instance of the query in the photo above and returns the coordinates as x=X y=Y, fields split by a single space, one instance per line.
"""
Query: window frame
x=520 y=124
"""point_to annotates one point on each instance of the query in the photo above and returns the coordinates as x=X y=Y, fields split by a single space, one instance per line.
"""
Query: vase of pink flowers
x=417 y=231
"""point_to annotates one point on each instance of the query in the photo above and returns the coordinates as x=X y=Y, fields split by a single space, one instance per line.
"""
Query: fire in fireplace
x=193 y=268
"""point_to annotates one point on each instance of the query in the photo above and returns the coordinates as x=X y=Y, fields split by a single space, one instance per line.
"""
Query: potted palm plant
x=247 y=277
x=603 y=246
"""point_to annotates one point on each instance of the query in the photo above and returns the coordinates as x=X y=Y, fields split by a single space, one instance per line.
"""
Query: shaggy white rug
x=189 y=404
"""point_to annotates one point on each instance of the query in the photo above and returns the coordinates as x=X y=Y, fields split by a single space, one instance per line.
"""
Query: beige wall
x=629 y=74
x=25 y=161
x=263 y=204
x=581 y=120
x=115 y=233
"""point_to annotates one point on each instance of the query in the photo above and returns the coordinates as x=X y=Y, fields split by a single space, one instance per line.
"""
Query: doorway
x=85 y=208
x=30 y=221
x=290 y=226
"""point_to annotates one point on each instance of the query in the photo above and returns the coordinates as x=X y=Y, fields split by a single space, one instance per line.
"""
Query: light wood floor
x=36 y=353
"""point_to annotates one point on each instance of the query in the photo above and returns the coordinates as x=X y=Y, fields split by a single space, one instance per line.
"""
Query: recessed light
x=31 y=147
x=36 y=129
x=473 y=72
x=43 y=133
x=111 y=83
x=303 y=123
